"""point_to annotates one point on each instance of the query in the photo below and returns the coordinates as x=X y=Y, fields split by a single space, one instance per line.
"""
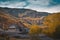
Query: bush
x=34 y=32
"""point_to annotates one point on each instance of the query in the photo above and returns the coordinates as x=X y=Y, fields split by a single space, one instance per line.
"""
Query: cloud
x=12 y=4
x=38 y=5
x=43 y=6
x=39 y=2
x=45 y=9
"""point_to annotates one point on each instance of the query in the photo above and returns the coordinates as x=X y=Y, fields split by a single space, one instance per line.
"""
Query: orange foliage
x=34 y=29
x=52 y=21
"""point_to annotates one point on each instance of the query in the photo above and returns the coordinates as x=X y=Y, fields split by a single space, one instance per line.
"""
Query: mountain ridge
x=28 y=12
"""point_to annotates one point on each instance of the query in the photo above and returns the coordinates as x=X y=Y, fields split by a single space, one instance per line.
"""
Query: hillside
x=25 y=12
x=26 y=16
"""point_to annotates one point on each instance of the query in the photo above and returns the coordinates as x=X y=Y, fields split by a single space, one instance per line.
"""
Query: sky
x=38 y=5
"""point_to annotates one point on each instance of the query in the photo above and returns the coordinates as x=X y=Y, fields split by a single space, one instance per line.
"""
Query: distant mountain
x=26 y=12
x=25 y=16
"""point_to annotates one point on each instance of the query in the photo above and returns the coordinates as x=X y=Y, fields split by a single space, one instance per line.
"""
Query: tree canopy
x=53 y=24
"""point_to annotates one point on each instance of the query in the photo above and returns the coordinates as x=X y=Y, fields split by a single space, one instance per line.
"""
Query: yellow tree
x=52 y=22
x=34 y=32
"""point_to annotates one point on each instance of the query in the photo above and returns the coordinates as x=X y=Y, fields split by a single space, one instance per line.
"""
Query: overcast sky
x=38 y=5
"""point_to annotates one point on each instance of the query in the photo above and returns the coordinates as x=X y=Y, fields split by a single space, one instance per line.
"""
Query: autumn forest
x=28 y=23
